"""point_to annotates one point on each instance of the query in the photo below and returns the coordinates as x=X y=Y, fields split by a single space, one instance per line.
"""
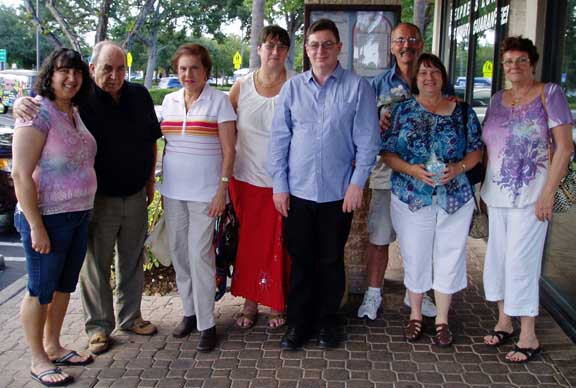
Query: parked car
x=14 y=84
x=169 y=83
x=7 y=194
x=478 y=81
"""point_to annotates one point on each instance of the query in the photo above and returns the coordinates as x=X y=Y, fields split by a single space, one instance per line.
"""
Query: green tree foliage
x=569 y=59
x=17 y=36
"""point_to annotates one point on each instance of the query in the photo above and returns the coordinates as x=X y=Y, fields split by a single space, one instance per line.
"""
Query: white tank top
x=255 y=113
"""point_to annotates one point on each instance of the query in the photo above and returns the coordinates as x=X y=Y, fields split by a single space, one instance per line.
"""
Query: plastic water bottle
x=436 y=167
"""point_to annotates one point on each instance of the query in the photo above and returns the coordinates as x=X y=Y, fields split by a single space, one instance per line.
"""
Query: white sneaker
x=428 y=307
x=370 y=305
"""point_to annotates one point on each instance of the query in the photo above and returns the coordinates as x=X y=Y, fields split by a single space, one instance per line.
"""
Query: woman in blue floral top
x=519 y=191
x=431 y=212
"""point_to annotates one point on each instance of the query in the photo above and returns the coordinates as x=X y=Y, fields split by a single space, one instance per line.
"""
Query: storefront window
x=559 y=270
x=472 y=56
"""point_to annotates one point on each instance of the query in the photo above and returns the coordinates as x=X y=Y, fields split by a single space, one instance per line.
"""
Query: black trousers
x=315 y=235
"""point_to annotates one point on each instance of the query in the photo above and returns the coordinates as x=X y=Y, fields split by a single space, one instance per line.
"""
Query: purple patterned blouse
x=517 y=142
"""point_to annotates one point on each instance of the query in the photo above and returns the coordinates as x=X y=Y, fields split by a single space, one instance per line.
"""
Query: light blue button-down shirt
x=323 y=137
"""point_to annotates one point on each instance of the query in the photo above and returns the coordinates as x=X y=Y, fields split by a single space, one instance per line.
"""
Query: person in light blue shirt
x=323 y=144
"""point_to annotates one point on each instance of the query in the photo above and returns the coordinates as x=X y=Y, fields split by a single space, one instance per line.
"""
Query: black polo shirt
x=125 y=133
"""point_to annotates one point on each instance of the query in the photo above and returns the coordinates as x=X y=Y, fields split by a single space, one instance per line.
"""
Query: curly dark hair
x=58 y=59
x=518 y=43
x=429 y=60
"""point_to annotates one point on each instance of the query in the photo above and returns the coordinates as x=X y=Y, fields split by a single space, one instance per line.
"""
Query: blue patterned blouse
x=414 y=134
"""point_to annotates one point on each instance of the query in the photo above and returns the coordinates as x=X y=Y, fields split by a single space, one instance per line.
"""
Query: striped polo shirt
x=192 y=162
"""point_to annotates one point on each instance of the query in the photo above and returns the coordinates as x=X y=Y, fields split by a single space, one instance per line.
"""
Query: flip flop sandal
x=443 y=336
x=528 y=352
x=413 y=330
x=503 y=337
x=250 y=317
x=50 y=372
x=277 y=316
x=65 y=360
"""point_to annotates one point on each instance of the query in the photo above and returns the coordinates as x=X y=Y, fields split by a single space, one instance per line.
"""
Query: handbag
x=565 y=196
x=479 y=223
x=157 y=240
x=476 y=173
x=226 y=245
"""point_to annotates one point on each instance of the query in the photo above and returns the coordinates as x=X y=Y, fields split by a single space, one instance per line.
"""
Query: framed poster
x=364 y=33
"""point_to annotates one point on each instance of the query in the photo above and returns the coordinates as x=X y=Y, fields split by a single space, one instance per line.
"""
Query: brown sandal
x=276 y=317
x=413 y=330
x=249 y=317
x=444 y=336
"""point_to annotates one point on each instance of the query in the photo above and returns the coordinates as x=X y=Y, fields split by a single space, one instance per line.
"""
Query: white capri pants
x=190 y=232
x=514 y=259
x=433 y=245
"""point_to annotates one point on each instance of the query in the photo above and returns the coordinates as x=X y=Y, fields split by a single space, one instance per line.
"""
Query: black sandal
x=413 y=330
x=503 y=337
x=528 y=352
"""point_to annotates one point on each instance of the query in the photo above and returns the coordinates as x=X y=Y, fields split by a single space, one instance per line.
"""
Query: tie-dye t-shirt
x=64 y=176
x=517 y=142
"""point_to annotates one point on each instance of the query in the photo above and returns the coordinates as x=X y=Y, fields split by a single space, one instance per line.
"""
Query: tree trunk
x=102 y=27
x=420 y=15
x=152 y=58
x=64 y=26
x=45 y=32
x=144 y=11
x=257 y=24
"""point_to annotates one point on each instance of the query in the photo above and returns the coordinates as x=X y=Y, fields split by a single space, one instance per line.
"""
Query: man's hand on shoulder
x=385 y=122
x=282 y=203
x=27 y=108
x=352 y=199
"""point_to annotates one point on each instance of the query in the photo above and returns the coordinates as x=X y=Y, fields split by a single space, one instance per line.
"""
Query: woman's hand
x=218 y=202
x=451 y=171
x=40 y=239
x=544 y=206
x=419 y=172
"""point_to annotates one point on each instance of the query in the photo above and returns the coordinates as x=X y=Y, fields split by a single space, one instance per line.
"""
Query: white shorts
x=432 y=245
x=380 y=230
x=514 y=259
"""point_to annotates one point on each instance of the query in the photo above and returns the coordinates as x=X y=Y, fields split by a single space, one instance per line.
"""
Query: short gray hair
x=98 y=49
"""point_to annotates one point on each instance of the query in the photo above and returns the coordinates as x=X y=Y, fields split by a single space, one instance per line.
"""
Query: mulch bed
x=159 y=281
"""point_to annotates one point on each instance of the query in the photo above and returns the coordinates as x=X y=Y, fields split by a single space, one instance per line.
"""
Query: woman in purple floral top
x=519 y=190
x=431 y=211
x=55 y=183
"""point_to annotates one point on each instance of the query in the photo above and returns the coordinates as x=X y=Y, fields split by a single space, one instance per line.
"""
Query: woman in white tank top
x=262 y=264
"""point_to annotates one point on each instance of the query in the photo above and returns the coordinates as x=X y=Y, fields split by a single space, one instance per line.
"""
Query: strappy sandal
x=413 y=330
x=276 y=317
x=502 y=336
x=249 y=317
x=443 y=336
x=528 y=352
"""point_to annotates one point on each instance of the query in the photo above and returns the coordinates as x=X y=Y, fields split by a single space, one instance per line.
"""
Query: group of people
x=293 y=153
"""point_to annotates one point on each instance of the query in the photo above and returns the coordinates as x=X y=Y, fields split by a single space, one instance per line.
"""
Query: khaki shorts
x=380 y=230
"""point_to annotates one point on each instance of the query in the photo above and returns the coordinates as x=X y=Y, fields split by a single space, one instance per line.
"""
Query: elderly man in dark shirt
x=121 y=117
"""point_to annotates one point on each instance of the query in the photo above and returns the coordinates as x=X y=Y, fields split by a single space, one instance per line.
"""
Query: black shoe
x=185 y=327
x=293 y=339
x=328 y=338
x=208 y=340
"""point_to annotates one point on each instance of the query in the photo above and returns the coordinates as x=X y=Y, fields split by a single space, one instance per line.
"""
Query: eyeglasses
x=278 y=46
x=518 y=61
x=327 y=45
x=401 y=41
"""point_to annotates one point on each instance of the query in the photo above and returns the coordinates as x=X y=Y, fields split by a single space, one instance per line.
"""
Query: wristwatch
x=224 y=179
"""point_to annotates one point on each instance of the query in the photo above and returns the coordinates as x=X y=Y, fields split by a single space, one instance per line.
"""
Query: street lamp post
x=38 y=35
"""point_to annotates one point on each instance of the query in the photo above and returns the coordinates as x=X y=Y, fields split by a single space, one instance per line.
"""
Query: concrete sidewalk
x=374 y=355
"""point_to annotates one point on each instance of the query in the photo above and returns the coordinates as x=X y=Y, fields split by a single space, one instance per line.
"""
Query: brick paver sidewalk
x=374 y=354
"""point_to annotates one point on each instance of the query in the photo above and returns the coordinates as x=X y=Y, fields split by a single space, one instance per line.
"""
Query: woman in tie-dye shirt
x=55 y=183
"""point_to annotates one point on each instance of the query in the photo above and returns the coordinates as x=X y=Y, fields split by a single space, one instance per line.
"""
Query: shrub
x=159 y=94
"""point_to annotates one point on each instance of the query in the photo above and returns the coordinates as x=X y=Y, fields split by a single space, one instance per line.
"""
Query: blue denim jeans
x=57 y=270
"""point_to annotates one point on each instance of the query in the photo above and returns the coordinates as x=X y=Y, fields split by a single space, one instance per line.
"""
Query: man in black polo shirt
x=121 y=117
